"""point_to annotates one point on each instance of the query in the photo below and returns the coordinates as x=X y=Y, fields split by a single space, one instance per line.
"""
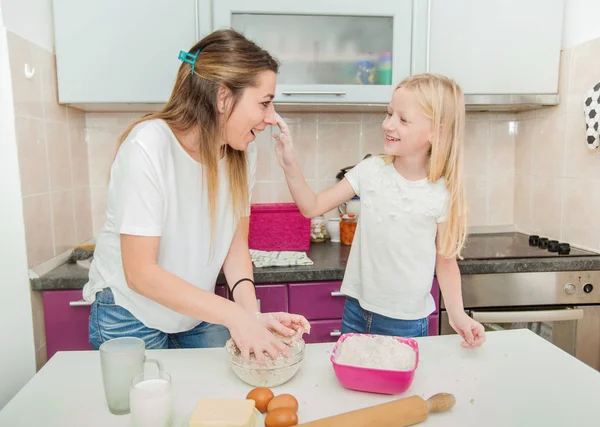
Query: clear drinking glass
x=151 y=400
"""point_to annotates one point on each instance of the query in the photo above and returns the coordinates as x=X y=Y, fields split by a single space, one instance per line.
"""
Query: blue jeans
x=109 y=320
x=360 y=321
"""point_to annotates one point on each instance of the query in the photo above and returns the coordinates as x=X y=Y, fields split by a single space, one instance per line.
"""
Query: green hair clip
x=189 y=58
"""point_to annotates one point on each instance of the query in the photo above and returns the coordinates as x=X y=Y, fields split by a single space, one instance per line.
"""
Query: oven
x=561 y=307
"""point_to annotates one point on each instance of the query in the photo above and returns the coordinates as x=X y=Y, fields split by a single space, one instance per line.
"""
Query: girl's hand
x=470 y=330
x=284 y=148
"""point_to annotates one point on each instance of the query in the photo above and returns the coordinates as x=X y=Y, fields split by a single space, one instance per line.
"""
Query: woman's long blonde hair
x=225 y=58
x=442 y=101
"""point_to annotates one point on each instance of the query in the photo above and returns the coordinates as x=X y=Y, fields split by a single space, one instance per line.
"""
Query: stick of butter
x=224 y=413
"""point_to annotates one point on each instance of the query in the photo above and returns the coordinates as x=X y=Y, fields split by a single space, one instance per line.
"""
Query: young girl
x=412 y=215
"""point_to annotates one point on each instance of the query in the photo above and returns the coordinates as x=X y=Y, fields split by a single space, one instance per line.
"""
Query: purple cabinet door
x=435 y=292
x=324 y=331
x=320 y=300
x=272 y=298
x=433 y=324
x=221 y=290
x=66 y=317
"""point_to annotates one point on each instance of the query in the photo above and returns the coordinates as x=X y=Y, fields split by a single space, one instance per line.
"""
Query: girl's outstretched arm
x=309 y=203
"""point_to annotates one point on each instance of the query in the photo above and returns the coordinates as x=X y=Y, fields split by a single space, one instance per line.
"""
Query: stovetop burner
x=518 y=245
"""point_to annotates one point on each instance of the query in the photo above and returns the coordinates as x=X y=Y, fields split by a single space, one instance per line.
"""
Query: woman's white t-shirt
x=157 y=189
x=392 y=260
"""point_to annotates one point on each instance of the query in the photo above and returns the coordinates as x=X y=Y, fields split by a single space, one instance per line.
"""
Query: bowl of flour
x=375 y=363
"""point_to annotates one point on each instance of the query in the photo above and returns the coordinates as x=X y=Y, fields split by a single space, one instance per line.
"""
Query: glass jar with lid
x=348 y=228
x=318 y=232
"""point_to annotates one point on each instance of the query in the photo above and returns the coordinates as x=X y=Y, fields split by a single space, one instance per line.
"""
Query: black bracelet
x=240 y=281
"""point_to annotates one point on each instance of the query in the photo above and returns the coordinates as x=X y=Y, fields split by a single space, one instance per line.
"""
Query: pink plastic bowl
x=374 y=380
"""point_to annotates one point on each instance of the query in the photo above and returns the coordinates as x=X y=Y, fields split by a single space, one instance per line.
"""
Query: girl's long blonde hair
x=442 y=101
x=225 y=58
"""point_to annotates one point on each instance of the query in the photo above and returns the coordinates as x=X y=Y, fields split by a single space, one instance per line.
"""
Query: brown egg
x=261 y=396
x=283 y=401
x=281 y=417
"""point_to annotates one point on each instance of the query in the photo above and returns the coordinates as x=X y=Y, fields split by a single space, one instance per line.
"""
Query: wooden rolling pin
x=398 y=413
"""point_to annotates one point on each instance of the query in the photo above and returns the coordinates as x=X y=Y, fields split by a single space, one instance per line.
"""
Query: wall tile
x=580 y=211
x=38 y=229
x=523 y=202
x=59 y=156
x=524 y=143
x=546 y=206
x=477 y=145
x=476 y=189
x=27 y=93
x=82 y=204
x=372 y=138
x=501 y=199
x=79 y=149
x=549 y=146
x=63 y=220
x=52 y=110
x=338 y=148
x=33 y=156
x=330 y=118
x=502 y=148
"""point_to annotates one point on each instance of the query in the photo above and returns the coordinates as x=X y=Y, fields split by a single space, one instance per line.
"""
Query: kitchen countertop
x=330 y=260
x=516 y=379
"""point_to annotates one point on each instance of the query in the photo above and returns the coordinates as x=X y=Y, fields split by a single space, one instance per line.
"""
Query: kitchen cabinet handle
x=80 y=303
x=337 y=294
x=313 y=92
x=527 y=316
x=335 y=333
x=258 y=302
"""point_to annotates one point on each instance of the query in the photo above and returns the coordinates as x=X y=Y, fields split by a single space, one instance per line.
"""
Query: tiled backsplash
x=53 y=166
x=557 y=176
x=53 y=158
x=328 y=142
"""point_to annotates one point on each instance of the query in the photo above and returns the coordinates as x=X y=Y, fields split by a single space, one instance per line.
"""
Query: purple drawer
x=434 y=325
x=67 y=318
x=320 y=300
x=272 y=298
x=324 y=331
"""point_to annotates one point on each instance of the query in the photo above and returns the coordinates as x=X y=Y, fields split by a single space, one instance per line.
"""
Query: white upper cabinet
x=112 y=52
x=335 y=51
x=119 y=55
x=495 y=47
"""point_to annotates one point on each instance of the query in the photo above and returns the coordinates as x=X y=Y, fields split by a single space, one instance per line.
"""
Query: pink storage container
x=278 y=227
x=374 y=380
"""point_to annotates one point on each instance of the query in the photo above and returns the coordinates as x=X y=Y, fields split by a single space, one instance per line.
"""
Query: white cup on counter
x=121 y=359
x=333 y=229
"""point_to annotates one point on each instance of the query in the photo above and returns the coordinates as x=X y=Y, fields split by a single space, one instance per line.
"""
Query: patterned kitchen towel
x=591 y=108
x=279 y=258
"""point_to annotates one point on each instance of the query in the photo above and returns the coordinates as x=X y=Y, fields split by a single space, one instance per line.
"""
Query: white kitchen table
x=515 y=379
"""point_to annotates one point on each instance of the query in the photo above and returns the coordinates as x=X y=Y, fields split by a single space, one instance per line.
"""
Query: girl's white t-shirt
x=392 y=259
x=157 y=189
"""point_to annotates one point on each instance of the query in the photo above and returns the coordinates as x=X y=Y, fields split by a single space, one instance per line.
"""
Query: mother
x=178 y=210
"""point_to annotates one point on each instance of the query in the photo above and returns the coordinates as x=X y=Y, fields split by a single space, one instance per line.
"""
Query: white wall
x=582 y=22
x=31 y=19
x=17 y=357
